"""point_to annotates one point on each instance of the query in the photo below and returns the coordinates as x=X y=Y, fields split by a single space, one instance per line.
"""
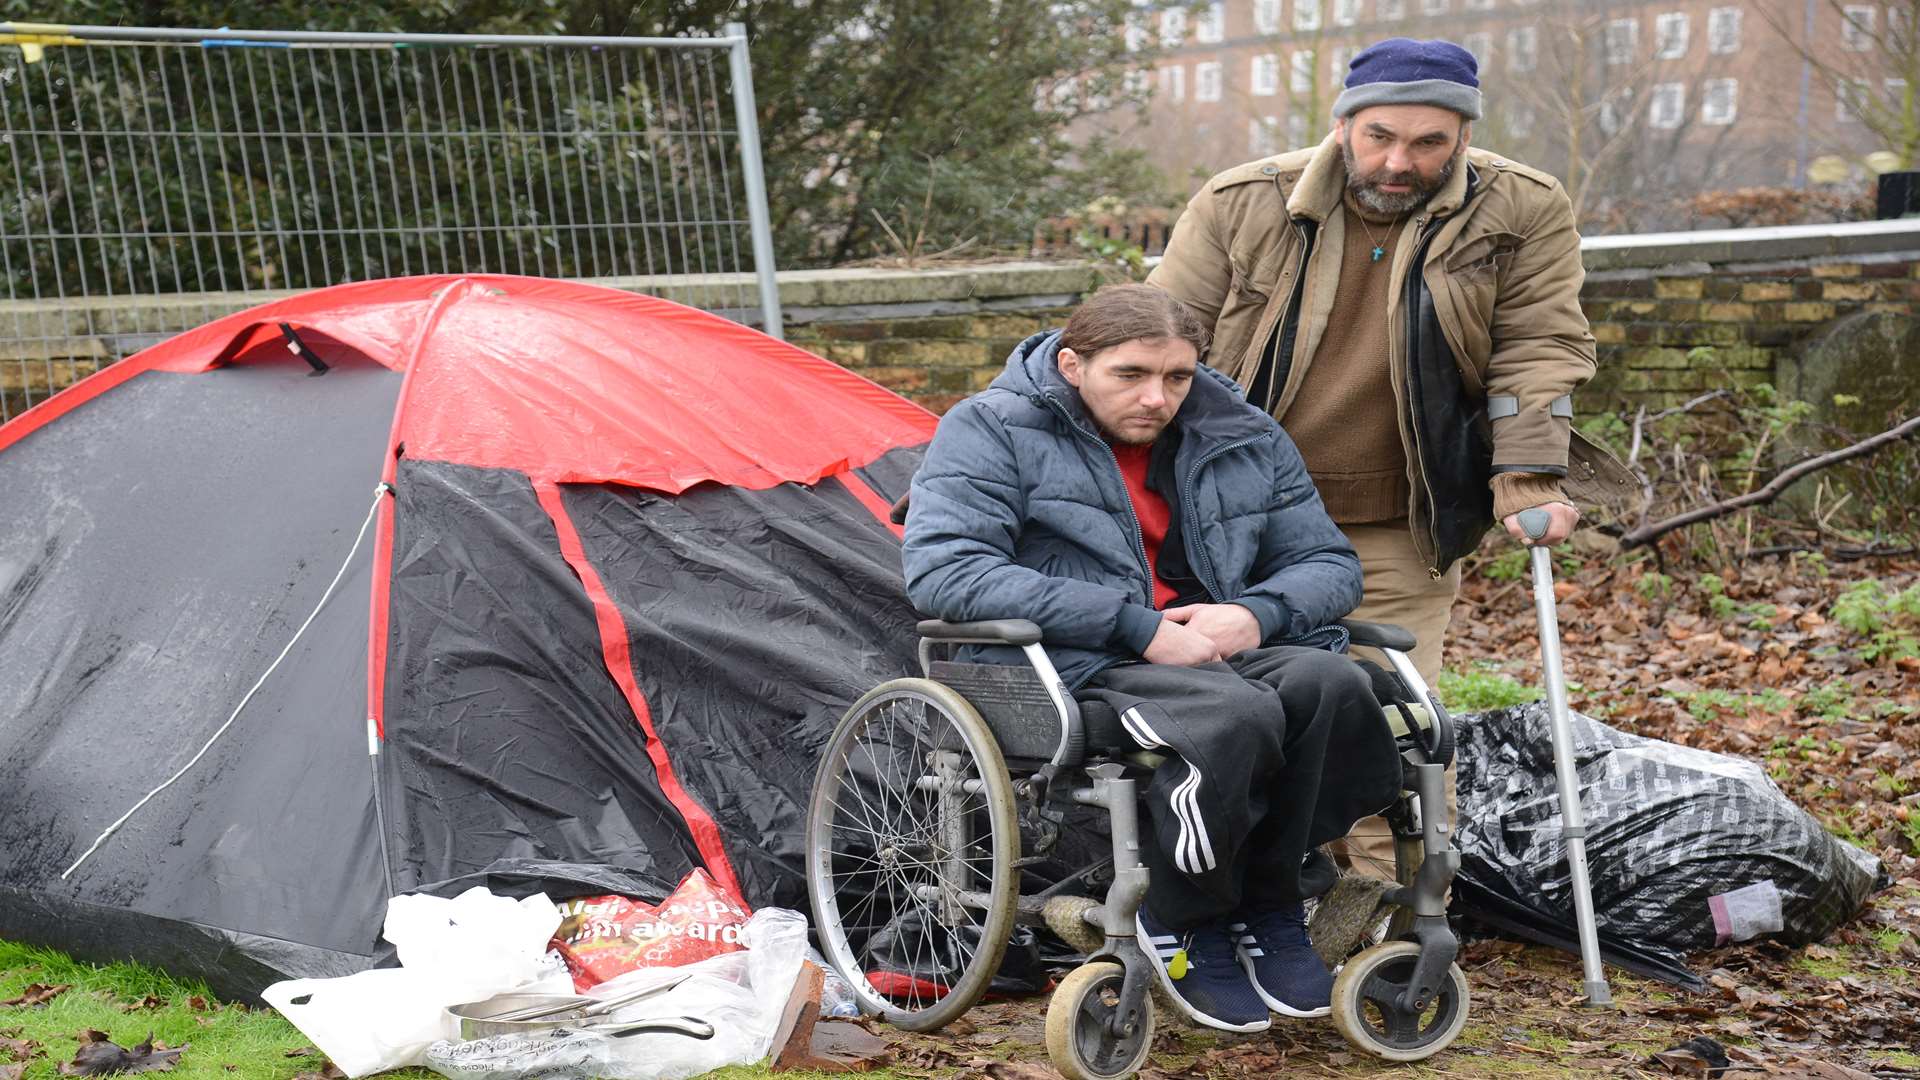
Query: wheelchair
x=937 y=795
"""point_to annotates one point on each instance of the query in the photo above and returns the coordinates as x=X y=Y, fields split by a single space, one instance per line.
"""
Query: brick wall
x=1675 y=329
x=935 y=361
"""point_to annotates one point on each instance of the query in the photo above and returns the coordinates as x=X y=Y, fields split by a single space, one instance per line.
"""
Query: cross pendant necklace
x=1378 y=248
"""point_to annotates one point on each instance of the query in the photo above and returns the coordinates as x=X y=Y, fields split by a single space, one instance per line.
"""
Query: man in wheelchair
x=1166 y=539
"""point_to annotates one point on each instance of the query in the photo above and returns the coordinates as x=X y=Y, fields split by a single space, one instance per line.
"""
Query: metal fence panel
x=153 y=179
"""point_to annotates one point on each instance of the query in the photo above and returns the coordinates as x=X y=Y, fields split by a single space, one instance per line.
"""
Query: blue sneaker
x=1197 y=969
x=1280 y=962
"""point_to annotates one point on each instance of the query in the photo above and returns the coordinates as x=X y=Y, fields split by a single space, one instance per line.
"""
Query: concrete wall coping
x=1766 y=244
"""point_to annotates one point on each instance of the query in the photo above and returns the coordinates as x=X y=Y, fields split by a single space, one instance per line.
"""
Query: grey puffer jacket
x=1020 y=512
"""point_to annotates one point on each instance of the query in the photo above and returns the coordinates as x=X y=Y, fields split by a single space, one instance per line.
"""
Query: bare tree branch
x=1646 y=534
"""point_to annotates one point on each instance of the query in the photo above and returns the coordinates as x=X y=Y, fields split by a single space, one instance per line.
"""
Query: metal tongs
x=508 y=1014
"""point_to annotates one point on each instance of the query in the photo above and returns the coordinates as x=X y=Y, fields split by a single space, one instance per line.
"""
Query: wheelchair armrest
x=985 y=632
x=1379 y=635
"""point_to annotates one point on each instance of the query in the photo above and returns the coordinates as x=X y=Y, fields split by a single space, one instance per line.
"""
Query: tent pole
x=379 y=808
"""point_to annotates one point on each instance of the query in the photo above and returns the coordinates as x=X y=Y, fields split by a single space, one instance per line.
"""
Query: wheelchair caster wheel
x=1366 y=1008
x=1079 y=1042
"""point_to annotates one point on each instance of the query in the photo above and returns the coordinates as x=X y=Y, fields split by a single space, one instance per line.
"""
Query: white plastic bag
x=742 y=994
x=465 y=949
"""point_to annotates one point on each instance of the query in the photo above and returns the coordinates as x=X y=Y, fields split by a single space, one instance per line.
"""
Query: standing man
x=1409 y=309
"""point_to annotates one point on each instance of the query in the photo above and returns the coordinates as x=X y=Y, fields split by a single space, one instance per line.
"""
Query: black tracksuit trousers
x=1277 y=751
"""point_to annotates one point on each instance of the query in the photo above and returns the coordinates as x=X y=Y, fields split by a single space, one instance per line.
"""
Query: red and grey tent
x=476 y=579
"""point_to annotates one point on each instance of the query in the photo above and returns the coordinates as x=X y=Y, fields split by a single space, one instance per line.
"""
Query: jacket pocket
x=1483 y=258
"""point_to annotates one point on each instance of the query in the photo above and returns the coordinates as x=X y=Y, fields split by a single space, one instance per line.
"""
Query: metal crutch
x=1535 y=523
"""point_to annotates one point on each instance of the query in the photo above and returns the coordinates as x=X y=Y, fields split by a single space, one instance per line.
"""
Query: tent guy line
x=380 y=490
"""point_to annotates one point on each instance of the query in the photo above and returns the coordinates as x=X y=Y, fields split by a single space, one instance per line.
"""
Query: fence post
x=747 y=123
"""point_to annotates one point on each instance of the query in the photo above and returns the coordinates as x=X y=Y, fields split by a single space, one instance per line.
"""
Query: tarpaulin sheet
x=162 y=544
x=506 y=737
x=1687 y=849
x=756 y=618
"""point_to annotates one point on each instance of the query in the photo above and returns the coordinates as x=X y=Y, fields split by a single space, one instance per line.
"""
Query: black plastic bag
x=1687 y=849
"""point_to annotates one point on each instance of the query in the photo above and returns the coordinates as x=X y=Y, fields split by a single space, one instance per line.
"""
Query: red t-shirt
x=1151 y=509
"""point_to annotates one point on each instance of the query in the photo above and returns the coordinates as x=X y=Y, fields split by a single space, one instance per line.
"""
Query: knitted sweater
x=1342 y=418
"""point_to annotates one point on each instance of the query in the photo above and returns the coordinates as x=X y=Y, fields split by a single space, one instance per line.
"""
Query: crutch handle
x=1535 y=522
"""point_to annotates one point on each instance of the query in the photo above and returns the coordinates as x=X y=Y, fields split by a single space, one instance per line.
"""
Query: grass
x=1483 y=687
x=128 y=1001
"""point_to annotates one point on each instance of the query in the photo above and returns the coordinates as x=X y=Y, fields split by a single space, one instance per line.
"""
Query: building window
x=1478 y=5
x=1720 y=101
x=1207 y=81
x=1391 y=9
x=1137 y=33
x=1433 y=7
x=1173 y=83
x=1856 y=27
x=1306 y=14
x=1263 y=136
x=1723 y=31
x=1523 y=48
x=1266 y=16
x=1520 y=121
x=1302 y=74
x=1623 y=40
x=1137 y=83
x=1668 y=106
x=1210 y=27
x=1900 y=28
x=1670 y=36
x=1342 y=61
x=1346 y=12
x=1173 y=27
x=1850 y=99
x=1297 y=129
x=1266 y=76
x=1615 y=107
x=1480 y=44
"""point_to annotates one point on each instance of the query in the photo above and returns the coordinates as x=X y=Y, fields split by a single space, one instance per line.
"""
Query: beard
x=1366 y=186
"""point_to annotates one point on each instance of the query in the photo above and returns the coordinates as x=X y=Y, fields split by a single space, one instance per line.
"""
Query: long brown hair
x=1121 y=313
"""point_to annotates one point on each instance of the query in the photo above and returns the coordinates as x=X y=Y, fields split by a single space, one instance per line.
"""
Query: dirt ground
x=1811 y=669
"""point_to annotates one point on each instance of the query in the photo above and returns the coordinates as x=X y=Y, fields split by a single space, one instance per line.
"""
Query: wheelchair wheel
x=912 y=834
x=1366 y=1010
x=1078 y=1041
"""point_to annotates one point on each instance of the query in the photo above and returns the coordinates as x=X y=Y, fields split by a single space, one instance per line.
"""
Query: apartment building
x=1635 y=103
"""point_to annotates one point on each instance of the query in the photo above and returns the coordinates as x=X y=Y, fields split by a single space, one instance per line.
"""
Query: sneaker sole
x=1166 y=983
x=1274 y=1003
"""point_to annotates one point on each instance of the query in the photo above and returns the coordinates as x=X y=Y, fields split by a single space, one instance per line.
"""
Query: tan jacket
x=1502 y=268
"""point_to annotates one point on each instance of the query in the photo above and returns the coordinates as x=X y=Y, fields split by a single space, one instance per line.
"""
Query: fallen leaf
x=38 y=994
x=1019 y=1070
x=99 y=1055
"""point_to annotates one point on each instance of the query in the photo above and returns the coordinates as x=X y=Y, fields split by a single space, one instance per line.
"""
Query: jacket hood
x=1216 y=408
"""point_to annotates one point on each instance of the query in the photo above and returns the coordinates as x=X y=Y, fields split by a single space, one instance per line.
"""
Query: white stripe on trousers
x=1193 y=854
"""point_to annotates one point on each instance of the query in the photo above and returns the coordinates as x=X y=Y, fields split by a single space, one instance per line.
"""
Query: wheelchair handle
x=1535 y=522
x=1379 y=635
x=984 y=632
